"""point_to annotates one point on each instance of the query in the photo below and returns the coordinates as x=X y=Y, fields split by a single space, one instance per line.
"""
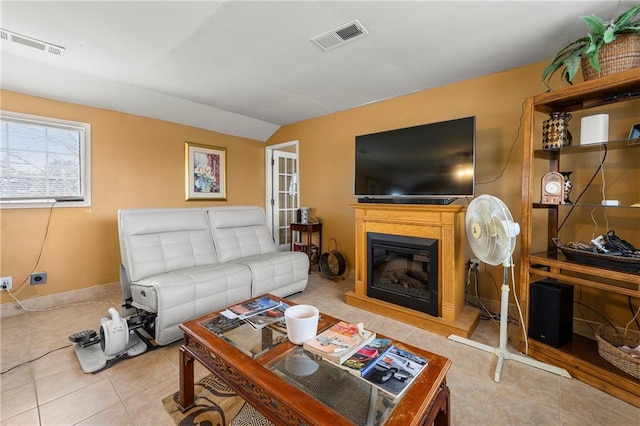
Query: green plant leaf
x=596 y=25
x=595 y=64
x=633 y=29
x=572 y=63
x=550 y=70
x=592 y=46
x=567 y=60
x=609 y=35
x=560 y=59
x=624 y=20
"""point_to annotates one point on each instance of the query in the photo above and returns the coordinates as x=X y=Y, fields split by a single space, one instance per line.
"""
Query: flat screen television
x=429 y=163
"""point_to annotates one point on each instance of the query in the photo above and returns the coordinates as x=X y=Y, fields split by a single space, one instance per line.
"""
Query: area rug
x=216 y=404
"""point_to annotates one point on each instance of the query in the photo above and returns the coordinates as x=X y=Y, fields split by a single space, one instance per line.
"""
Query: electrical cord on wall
x=46 y=235
x=490 y=315
x=35 y=266
x=487 y=314
x=581 y=305
x=626 y=327
x=478 y=304
x=604 y=197
x=636 y=315
x=585 y=189
x=634 y=312
x=513 y=144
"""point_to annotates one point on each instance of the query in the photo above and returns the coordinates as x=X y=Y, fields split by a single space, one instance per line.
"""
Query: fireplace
x=441 y=224
x=403 y=270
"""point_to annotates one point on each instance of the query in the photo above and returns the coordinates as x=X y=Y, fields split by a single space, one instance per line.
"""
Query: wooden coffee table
x=274 y=376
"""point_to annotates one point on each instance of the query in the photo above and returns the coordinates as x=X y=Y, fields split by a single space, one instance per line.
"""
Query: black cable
x=573 y=206
x=580 y=304
x=495 y=284
x=489 y=314
x=513 y=144
x=35 y=359
x=615 y=243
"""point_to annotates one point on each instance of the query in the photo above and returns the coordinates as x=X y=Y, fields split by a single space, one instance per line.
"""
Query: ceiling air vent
x=31 y=42
x=340 y=35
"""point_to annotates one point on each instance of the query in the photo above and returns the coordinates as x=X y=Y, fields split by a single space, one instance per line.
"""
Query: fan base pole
x=505 y=355
x=502 y=352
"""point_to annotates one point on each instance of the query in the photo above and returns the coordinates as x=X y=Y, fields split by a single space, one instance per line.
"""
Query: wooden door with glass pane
x=285 y=195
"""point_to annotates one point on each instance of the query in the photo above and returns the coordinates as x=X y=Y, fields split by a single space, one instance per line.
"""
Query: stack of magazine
x=376 y=360
x=340 y=341
x=259 y=313
x=240 y=324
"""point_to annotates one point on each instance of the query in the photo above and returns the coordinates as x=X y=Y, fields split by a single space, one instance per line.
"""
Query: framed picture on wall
x=205 y=172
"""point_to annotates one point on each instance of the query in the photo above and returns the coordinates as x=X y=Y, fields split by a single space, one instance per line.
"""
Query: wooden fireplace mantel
x=444 y=223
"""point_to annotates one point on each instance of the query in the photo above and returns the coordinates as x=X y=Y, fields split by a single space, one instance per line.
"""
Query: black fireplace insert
x=403 y=270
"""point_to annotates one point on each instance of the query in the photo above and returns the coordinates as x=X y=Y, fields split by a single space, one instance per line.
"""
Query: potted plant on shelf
x=608 y=47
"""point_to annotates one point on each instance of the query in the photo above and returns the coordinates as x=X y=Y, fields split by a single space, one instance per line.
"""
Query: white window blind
x=43 y=159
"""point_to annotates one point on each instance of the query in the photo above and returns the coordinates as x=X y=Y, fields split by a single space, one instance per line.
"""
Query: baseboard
x=493 y=306
x=58 y=299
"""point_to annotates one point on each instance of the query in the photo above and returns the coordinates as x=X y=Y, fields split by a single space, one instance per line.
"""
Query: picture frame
x=205 y=172
x=635 y=132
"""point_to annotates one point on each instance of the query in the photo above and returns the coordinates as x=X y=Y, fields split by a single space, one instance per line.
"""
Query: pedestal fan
x=491 y=233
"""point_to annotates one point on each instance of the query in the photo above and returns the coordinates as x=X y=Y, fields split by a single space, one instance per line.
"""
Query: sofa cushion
x=188 y=293
x=279 y=273
x=239 y=232
x=154 y=241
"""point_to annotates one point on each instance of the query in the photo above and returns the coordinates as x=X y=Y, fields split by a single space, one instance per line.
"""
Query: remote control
x=83 y=336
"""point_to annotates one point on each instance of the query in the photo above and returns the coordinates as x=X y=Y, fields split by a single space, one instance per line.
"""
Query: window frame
x=85 y=166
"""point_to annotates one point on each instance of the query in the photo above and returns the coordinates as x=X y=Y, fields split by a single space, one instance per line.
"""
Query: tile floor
x=53 y=390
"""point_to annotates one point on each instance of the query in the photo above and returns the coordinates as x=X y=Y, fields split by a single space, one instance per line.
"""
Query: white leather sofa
x=181 y=263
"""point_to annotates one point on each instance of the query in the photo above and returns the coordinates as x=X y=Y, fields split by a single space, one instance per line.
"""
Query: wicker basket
x=620 y=55
x=609 y=341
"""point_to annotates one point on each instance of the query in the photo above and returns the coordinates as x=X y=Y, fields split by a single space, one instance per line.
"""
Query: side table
x=309 y=229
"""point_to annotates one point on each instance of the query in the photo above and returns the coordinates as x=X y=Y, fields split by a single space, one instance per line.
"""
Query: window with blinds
x=43 y=160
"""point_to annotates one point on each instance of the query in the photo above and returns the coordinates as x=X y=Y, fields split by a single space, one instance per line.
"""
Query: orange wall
x=326 y=144
x=136 y=162
x=326 y=149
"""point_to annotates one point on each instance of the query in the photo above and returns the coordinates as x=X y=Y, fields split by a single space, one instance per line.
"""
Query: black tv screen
x=429 y=161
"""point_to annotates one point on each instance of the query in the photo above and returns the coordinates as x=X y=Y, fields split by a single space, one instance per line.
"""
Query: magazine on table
x=263 y=319
x=362 y=361
x=339 y=342
x=245 y=310
x=395 y=371
x=221 y=324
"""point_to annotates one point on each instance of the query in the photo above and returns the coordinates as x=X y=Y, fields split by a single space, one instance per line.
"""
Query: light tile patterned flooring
x=53 y=390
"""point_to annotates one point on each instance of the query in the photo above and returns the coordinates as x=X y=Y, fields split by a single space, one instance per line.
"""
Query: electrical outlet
x=474 y=264
x=38 y=278
x=6 y=283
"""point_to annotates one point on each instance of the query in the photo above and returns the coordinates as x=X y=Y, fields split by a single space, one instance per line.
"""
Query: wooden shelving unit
x=580 y=356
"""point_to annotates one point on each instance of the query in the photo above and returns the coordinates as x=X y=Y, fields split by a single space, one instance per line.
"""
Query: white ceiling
x=246 y=68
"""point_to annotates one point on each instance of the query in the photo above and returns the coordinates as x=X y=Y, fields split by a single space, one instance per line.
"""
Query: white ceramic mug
x=302 y=323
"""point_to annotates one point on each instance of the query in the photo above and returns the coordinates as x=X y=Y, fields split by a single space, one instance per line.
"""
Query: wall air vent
x=6 y=35
x=340 y=35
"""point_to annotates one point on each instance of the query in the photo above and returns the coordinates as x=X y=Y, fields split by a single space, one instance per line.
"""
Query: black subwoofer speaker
x=551 y=312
